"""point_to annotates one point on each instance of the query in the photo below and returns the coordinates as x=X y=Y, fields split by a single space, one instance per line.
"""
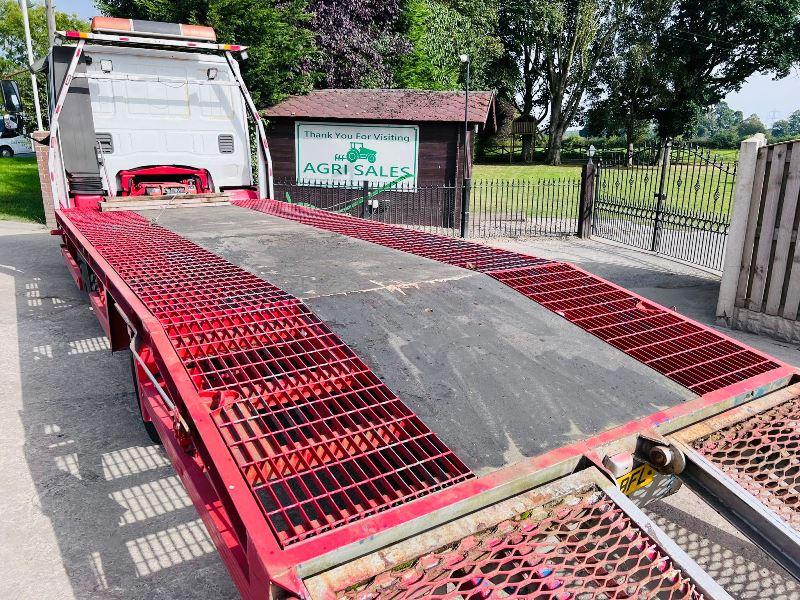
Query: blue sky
x=83 y=8
x=769 y=99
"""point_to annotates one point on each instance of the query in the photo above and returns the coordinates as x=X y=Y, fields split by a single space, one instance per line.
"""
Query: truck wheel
x=371 y=158
x=352 y=155
x=151 y=430
x=6 y=152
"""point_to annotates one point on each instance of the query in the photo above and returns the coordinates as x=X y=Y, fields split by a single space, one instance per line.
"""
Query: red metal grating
x=761 y=455
x=686 y=352
x=584 y=547
x=689 y=354
x=320 y=439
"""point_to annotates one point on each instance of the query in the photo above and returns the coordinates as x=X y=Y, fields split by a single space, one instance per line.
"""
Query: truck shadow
x=123 y=523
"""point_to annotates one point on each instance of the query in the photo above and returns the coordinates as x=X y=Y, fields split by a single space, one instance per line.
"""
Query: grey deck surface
x=494 y=374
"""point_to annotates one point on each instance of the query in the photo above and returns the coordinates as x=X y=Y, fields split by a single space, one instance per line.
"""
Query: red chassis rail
x=259 y=564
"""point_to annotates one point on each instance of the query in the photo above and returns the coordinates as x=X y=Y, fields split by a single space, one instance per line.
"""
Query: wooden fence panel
x=768 y=288
x=763 y=252
x=784 y=237
x=792 y=296
x=752 y=223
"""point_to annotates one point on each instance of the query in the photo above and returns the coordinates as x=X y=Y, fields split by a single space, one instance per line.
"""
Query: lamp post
x=589 y=175
x=50 y=10
x=466 y=181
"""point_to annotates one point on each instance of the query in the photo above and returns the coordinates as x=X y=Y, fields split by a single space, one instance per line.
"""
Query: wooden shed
x=439 y=117
x=406 y=142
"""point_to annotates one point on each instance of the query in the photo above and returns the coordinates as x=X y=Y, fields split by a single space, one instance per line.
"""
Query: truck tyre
x=6 y=152
x=151 y=430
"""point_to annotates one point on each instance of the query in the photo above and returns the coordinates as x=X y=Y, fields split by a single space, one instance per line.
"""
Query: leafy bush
x=726 y=138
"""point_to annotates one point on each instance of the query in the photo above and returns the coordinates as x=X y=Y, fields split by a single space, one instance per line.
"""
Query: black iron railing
x=673 y=199
x=498 y=208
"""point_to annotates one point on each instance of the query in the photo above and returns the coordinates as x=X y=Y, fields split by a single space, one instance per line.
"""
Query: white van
x=16 y=145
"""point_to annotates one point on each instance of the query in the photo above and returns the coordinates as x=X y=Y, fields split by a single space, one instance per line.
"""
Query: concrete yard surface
x=93 y=510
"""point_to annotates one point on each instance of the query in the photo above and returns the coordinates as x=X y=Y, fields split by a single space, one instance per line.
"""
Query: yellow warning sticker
x=640 y=477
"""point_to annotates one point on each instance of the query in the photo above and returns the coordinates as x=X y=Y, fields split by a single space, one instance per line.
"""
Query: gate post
x=466 y=187
x=660 y=195
x=740 y=211
x=586 y=205
x=366 y=205
x=42 y=159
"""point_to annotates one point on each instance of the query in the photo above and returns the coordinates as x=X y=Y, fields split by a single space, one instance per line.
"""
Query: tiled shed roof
x=387 y=105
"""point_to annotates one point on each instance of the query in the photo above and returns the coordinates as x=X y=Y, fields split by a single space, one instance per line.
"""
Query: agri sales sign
x=349 y=153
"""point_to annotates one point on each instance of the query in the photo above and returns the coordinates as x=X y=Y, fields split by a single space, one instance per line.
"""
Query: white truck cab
x=152 y=108
x=142 y=108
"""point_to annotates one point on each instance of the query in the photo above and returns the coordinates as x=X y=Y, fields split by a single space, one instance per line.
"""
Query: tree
x=725 y=138
x=794 y=122
x=725 y=116
x=698 y=53
x=717 y=119
x=707 y=49
x=577 y=36
x=750 y=126
x=439 y=32
x=780 y=128
x=281 y=46
x=360 y=43
x=521 y=71
x=623 y=81
x=13 y=51
x=706 y=124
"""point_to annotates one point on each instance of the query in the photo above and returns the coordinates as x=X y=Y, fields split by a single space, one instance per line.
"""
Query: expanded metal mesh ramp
x=691 y=354
x=576 y=538
x=762 y=454
x=319 y=438
x=746 y=463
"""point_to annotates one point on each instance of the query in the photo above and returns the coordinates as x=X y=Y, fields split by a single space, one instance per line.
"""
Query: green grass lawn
x=20 y=194
x=542 y=190
x=526 y=190
x=727 y=155
x=525 y=172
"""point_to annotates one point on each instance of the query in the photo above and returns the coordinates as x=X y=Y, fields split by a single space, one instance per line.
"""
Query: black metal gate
x=673 y=199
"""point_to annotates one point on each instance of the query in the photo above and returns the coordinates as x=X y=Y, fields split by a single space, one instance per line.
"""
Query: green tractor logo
x=358 y=151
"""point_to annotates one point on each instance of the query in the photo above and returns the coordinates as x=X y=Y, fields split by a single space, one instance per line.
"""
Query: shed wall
x=439 y=150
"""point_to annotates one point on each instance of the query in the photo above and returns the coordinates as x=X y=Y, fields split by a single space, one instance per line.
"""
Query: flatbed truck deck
x=492 y=373
x=303 y=459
